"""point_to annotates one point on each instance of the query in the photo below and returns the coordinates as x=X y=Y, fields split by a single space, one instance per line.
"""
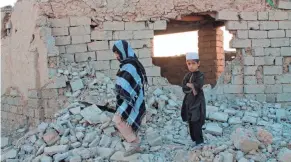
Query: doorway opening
x=194 y=33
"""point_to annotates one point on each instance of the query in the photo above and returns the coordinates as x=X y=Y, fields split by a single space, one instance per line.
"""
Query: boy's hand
x=194 y=91
x=190 y=85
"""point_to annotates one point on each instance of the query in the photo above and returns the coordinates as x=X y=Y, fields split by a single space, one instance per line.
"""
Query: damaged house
x=52 y=50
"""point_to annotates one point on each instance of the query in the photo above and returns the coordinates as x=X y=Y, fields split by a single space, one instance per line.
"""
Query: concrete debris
x=218 y=116
x=82 y=131
x=91 y=114
x=4 y=141
x=244 y=140
x=213 y=128
x=264 y=136
x=284 y=155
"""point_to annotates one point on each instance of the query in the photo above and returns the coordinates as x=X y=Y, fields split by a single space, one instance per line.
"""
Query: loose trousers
x=195 y=129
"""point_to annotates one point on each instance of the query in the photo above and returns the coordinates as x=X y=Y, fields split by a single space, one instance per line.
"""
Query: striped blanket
x=130 y=82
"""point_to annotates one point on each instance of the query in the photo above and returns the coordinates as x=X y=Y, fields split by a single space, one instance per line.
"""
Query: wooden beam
x=191 y=18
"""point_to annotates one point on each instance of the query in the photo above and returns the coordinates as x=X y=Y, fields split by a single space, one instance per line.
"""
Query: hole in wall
x=205 y=36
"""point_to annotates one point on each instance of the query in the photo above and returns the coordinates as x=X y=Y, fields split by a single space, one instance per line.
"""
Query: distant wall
x=173 y=68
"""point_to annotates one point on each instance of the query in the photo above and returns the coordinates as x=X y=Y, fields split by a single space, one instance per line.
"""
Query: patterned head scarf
x=124 y=50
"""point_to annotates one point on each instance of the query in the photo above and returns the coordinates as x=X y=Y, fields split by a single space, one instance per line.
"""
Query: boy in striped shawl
x=130 y=81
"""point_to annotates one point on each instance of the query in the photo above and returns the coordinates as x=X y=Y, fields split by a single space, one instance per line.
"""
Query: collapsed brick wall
x=264 y=41
x=259 y=36
x=79 y=42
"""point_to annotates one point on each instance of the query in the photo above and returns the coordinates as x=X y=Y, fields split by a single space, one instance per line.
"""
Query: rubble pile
x=240 y=130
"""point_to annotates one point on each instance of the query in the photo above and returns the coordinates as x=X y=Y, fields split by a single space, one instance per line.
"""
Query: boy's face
x=192 y=65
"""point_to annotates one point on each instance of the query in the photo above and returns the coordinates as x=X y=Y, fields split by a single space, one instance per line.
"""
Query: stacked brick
x=78 y=42
x=16 y=112
x=265 y=41
x=211 y=53
x=39 y=106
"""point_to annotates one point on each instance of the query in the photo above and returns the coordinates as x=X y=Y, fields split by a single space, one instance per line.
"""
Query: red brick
x=51 y=137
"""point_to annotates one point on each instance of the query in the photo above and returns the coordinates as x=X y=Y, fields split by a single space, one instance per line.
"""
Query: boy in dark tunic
x=194 y=106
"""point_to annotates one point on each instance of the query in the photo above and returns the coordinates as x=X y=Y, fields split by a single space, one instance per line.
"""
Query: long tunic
x=194 y=107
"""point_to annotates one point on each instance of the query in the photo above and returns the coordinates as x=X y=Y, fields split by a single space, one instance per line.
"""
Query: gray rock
x=234 y=120
x=59 y=157
x=76 y=84
x=284 y=155
x=105 y=152
x=40 y=150
x=220 y=149
x=13 y=160
x=4 y=142
x=10 y=154
x=105 y=141
x=230 y=111
x=281 y=113
x=218 y=116
x=243 y=160
x=263 y=123
x=90 y=136
x=253 y=114
x=227 y=157
x=45 y=158
x=85 y=153
x=73 y=139
x=109 y=130
x=80 y=136
x=118 y=156
x=154 y=138
x=95 y=142
x=75 y=110
x=80 y=129
x=75 y=158
x=64 y=140
x=56 y=149
x=42 y=127
x=91 y=114
x=213 y=128
x=239 y=155
x=33 y=139
x=76 y=144
x=249 y=119
x=85 y=144
x=158 y=92
x=27 y=148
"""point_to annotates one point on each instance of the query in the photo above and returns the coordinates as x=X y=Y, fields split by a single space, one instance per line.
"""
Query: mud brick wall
x=211 y=53
x=41 y=105
x=173 y=68
x=264 y=42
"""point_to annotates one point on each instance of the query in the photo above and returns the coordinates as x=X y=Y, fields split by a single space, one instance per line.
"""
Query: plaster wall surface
x=21 y=52
x=134 y=10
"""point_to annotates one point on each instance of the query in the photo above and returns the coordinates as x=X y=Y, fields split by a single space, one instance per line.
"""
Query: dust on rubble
x=236 y=130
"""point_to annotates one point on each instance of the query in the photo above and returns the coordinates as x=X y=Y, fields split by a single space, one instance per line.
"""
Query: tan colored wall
x=130 y=10
x=173 y=68
x=24 y=53
x=23 y=67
